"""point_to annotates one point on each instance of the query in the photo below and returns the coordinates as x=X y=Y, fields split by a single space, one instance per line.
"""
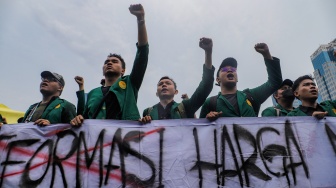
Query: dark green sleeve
x=268 y=112
x=262 y=92
x=139 y=67
x=145 y=112
x=205 y=108
x=80 y=102
x=68 y=112
x=203 y=90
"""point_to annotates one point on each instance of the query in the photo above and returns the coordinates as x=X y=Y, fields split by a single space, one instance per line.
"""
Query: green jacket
x=328 y=106
x=188 y=107
x=80 y=102
x=272 y=111
x=57 y=111
x=126 y=89
x=259 y=95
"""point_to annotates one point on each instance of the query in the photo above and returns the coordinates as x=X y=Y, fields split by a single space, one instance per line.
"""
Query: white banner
x=229 y=152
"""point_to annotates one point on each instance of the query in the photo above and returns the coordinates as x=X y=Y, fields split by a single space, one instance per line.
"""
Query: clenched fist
x=138 y=11
x=80 y=82
x=206 y=44
x=262 y=48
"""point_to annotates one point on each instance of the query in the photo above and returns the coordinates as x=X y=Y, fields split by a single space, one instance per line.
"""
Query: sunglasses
x=50 y=79
x=227 y=69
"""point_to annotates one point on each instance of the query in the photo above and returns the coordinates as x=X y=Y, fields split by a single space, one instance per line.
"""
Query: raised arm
x=206 y=44
x=138 y=11
x=80 y=95
x=262 y=92
x=205 y=86
x=141 y=57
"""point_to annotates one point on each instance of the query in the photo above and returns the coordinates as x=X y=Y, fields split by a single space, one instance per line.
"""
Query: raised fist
x=262 y=48
x=137 y=10
x=185 y=96
x=80 y=82
x=205 y=43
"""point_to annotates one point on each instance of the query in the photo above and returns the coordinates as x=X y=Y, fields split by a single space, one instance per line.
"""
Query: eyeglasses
x=227 y=69
x=49 y=79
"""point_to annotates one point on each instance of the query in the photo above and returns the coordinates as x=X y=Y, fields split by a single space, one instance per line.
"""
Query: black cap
x=287 y=82
x=58 y=77
x=230 y=61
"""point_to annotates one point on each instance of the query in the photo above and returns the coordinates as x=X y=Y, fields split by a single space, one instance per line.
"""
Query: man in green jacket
x=305 y=90
x=231 y=102
x=284 y=96
x=118 y=97
x=167 y=108
x=52 y=109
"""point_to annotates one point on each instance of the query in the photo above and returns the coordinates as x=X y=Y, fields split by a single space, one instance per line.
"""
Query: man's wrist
x=140 y=22
x=208 y=51
x=142 y=17
x=267 y=56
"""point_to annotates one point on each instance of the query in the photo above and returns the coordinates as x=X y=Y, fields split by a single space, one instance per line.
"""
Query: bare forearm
x=142 y=31
x=208 y=59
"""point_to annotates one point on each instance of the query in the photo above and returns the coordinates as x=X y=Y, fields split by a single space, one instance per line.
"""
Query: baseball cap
x=287 y=82
x=58 y=77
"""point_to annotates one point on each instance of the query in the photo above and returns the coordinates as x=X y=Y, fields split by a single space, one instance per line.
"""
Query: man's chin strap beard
x=230 y=85
x=112 y=74
x=288 y=96
x=288 y=99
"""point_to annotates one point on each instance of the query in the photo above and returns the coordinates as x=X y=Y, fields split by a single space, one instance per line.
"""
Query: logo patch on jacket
x=122 y=85
x=249 y=102
x=59 y=105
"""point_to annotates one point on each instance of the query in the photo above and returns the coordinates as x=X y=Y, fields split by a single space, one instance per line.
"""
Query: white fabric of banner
x=229 y=152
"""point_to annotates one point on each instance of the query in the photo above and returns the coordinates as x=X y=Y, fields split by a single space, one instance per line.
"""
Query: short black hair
x=123 y=64
x=299 y=80
x=167 y=77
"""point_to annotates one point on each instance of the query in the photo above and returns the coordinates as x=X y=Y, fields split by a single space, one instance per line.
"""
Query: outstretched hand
x=263 y=49
x=206 y=44
x=137 y=10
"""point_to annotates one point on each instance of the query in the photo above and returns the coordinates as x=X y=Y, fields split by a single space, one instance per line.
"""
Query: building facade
x=324 y=64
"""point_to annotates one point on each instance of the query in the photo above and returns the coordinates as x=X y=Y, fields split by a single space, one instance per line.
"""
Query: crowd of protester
x=116 y=97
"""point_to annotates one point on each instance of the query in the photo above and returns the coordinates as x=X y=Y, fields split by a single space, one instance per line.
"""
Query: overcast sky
x=74 y=37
